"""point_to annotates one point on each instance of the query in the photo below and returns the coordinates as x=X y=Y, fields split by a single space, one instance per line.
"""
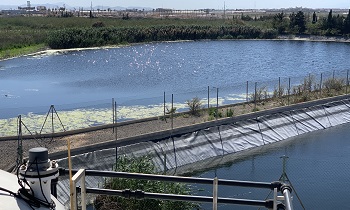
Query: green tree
x=330 y=20
x=346 y=26
x=297 y=22
x=314 y=18
x=279 y=23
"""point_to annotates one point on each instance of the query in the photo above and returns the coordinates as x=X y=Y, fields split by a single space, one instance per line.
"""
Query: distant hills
x=62 y=4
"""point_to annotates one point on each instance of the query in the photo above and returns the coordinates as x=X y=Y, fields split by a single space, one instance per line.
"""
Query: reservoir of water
x=319 y=163
x=318 y=167
x=147 y=70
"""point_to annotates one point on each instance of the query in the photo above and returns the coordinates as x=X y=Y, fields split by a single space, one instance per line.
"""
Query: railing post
x=79 y=176
x=215 y=193
x=286 y=190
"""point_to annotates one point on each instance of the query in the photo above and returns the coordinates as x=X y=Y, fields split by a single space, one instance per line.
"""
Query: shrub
x=141 y=165
x=98 y=24
x=195 y=106
x=261 y=94
x=279 y=91
x=229 y=113
x=333 y=84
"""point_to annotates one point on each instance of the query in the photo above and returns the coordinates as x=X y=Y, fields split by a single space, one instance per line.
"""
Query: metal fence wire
x=92 y=114
x=95 y=113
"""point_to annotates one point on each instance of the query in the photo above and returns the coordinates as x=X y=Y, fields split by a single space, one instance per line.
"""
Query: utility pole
x=224 y=10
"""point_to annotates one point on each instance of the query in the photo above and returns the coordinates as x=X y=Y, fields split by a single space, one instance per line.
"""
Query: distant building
x=164 y=10
x=27 y=8
x=41 y=8
x=13 y=12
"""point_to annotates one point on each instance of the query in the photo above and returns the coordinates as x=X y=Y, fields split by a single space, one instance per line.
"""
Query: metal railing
x=274 y=204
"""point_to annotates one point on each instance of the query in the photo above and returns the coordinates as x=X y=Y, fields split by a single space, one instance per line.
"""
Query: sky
x=195 y=4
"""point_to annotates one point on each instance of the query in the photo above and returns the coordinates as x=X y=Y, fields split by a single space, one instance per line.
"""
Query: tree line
x=100 y=35
x=297 y=23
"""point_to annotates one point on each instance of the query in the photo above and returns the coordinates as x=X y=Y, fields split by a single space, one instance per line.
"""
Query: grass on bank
x=15 y=52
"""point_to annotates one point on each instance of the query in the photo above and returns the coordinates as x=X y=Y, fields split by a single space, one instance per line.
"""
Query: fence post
x=217 y=103
x=53 y=128
x=321 y=84
x=247 y=91
x=279 y=87
x=164 y=164
x=347 y=82
x=208 y=98
x=172 y=110
x=20 y=142
x=164 y=106
x=310 y=85
x=255 y=96
x=288 y=90
x=113 y=117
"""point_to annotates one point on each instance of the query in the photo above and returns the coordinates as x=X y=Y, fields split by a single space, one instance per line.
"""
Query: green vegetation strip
x=142 y=165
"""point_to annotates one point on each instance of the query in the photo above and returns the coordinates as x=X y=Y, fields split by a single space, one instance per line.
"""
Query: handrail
x=156 y=177
x=138 y=194
x=270 y=204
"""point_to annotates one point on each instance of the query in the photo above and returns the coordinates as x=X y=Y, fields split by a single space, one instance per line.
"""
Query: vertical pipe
x=208 y=99
x=52 y=127
x=71 y=188
x=287 y=199
x=19 y=143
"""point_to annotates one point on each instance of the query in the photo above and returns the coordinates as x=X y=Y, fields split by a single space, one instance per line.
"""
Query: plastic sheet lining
x=218 y=141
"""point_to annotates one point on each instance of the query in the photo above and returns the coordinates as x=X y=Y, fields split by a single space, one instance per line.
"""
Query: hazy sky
x=195 y=4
